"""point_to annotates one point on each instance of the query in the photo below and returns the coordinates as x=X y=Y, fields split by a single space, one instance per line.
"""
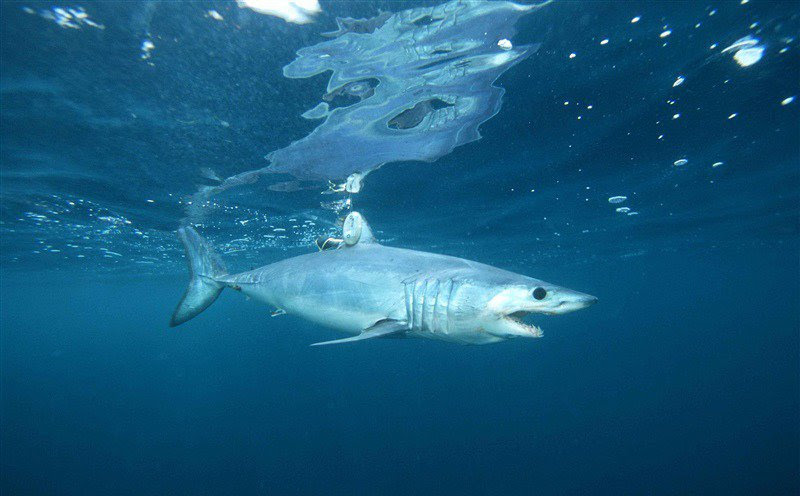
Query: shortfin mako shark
x=373 y=291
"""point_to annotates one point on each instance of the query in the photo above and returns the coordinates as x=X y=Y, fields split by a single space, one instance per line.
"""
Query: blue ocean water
x=683 y=378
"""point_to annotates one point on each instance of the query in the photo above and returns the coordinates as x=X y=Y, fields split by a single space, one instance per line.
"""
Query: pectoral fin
x=381 y=329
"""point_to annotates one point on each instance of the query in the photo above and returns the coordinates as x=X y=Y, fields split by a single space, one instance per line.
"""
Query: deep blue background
x=684 y=378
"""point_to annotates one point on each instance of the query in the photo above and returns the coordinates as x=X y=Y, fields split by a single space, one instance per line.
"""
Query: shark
x=369 y=291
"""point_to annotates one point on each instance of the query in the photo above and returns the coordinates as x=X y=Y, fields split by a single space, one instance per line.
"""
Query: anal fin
x=383 y=328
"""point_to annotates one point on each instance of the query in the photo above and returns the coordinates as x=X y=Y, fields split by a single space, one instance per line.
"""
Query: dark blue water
x=684 y=378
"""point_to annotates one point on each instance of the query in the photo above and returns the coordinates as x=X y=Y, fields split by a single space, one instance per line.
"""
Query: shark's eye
x=539 y=293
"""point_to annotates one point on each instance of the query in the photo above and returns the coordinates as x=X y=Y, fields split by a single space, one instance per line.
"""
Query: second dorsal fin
x=355 y=230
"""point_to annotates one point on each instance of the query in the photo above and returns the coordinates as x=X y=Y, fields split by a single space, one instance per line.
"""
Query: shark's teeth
x=517 y=317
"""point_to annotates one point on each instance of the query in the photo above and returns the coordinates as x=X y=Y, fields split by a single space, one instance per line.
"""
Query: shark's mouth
x=518 y=320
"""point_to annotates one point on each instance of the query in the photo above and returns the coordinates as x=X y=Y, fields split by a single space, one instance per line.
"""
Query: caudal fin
x=205 y=267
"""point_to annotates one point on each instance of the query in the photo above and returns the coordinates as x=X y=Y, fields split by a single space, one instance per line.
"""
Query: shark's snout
x=586 y=300
x=570 y=301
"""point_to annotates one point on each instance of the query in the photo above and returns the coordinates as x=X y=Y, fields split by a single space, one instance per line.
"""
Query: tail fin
x=205 y=267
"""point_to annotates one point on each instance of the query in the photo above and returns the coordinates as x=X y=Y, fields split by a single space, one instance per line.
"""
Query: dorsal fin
x=356 y=230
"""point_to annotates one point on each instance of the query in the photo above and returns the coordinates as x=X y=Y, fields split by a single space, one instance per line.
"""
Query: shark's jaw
x=512 y=325
x=516 y=319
